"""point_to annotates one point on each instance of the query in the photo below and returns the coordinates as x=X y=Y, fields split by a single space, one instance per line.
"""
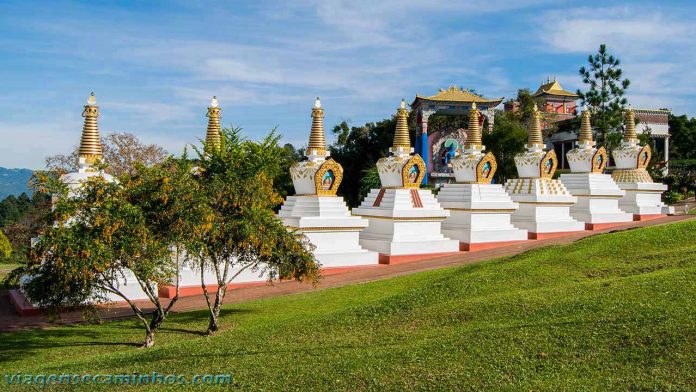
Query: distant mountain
x=14 y=181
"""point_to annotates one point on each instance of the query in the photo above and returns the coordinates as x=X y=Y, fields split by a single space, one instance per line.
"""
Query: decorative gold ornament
x=630 y=126
x=535 y=128
x=585 y=126
x=90 y=145
x=548 y=164
x=474 y=132
x=643 y=158
x=317 y=141
x=328 y=178
x=213 y=137
x=486 y=168
x=401 y=136
x=599 y=160
x=413 y=172
x=631 y=175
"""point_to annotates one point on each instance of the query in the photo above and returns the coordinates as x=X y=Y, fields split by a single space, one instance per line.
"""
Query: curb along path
x=10 y=321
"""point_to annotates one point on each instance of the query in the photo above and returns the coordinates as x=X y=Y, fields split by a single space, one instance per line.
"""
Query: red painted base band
x=543 y=236
x=398 y=259
x=646 y=217
x=463 y=246
x=22 y=305
x=188 y=291
x=602 y=226
x=338 y=270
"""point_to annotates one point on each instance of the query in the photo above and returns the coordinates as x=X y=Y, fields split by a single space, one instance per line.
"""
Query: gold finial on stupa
x=90 y=146
x=213 y=136
x=585 y=126
x=401 y=137
x=317 y=141
x=535 y=128
x=474 y=135
x=630 y=126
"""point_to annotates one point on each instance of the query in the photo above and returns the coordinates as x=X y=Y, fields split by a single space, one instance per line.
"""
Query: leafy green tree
x=508 y=138
x=108 y=231
x=605 y=94
x=358 y=150
x=5 y=247
x=683 y=137
x=242 y=232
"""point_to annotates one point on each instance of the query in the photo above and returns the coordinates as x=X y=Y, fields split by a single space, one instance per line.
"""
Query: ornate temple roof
x=553 y=88
x=457 y=94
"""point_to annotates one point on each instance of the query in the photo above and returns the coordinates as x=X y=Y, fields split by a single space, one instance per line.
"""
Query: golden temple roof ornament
x=474 y=132
x=535 y=137
x=630 y=126
x=90 y=147
x=585 y=126
x=317 y=141
x=213 y=136
x=401 y=136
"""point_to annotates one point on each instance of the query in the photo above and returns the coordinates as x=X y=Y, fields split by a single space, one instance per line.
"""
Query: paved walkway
x=9 y=321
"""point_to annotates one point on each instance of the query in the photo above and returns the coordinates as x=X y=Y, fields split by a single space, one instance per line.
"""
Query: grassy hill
x=612 y=312
x=14 y=181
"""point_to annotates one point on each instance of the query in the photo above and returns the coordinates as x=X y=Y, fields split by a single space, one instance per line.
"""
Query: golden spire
x=317 y=142
x=213 y=137
x=535 y=128
x=585 y=126
x=630 y=126
x=474 y=134
x=90 y=146
x=401 y=137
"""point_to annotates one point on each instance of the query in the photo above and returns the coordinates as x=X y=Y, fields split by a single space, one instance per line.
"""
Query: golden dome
x=474 y=133
x=585 y=126
x=317 y=140
x=535 y=128
x=401 y=136
x=630 y=126
x=213 y=136
x=90 y=145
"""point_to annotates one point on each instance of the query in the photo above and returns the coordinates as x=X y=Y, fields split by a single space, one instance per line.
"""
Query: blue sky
x=154 y=65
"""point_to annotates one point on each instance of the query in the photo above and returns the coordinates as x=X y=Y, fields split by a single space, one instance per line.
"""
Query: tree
x=5 y=247
x=682 y=137
x=605 y=95
x=243 y=234
x=108 y=231
x=508 y=138
x=122 y=153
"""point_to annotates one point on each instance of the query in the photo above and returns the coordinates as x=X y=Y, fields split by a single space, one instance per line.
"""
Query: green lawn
x=612 y=312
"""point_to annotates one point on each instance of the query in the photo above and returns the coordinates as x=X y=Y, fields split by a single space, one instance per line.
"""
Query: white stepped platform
x=598 y=198
x=479 y=214
x=544 y=206
x=644 y=198
x=404 y=222
x=330 y=227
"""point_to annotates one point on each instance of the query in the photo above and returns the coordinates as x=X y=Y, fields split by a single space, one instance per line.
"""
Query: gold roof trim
x=553 y=88
x=401 y=136
x=457 y=94
x=90 y=146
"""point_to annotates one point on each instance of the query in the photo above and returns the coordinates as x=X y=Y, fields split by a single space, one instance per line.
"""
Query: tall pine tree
x=605 y=96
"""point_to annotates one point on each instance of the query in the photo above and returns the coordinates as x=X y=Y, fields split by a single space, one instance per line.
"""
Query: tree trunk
x=215 y=310
x=149 y=339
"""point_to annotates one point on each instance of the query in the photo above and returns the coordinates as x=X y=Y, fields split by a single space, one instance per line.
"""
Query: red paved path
x=10 y=321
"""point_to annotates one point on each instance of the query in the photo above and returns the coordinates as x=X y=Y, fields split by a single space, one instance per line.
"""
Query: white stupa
x=643 y=196
x=405 y=221
x=544 y=203
x=479 y=211
x=597 y=193
x=317 y=212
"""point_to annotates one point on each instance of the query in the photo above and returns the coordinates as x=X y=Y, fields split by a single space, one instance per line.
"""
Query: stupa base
x=647 y=217
x=598 y=199
x=22 y=305
x=643 y=198
x=603 y=226
x=546 y=219
x=544 y=236
x=479 y=215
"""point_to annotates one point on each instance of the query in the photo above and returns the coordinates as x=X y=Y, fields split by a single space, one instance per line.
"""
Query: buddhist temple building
x=439 y=146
